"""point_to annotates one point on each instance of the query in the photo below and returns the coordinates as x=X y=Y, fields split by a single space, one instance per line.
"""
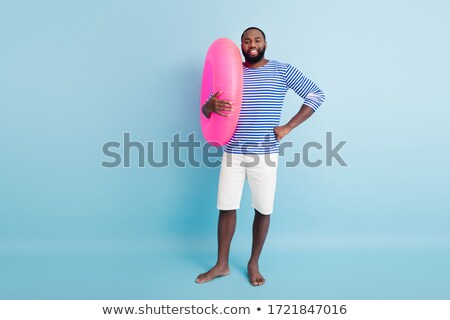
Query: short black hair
x=250 y=28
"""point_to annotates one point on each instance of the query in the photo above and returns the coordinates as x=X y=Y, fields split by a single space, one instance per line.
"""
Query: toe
x=200 y=279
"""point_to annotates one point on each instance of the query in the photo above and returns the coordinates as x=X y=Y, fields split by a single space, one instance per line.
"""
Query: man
x=252 y=151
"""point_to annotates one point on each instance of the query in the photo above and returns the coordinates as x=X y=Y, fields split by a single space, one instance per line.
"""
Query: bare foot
x=256 y=279
x=215 y=272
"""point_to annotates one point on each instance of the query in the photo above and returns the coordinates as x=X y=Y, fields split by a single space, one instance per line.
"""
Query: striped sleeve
x=304 y=87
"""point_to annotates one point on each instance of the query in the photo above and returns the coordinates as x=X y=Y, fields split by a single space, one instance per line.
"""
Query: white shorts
x=261 y=172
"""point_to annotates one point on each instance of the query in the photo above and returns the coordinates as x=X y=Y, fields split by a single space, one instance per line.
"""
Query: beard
x=256 y=58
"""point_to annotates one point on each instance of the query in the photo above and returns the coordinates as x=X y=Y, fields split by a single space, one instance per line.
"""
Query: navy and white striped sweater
x=264 y=91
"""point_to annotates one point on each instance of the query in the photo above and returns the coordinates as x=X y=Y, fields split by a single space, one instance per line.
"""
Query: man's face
x=253 y=46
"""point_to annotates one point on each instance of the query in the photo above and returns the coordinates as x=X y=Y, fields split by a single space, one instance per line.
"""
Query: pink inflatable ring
x=222 y=72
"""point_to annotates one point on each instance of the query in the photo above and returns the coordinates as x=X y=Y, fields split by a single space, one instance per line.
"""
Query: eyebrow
x=247 y=38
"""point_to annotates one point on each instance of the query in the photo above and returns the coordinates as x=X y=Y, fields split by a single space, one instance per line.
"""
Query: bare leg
x=261 y=224
x=225 y=232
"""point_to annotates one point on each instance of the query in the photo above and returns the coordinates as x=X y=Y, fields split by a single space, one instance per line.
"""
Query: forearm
x=205 y=112
x=304 y=113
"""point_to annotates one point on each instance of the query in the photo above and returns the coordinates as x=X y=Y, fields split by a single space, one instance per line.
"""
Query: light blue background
x=77 y=74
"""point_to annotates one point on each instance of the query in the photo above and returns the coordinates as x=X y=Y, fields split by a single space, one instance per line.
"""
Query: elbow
x=315 y=99
x=321 y=96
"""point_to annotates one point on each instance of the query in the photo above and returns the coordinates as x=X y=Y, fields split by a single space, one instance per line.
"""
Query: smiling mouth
x=253 y=52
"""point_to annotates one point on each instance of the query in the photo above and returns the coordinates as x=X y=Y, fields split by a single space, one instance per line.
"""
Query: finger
x=223 y=102
x=224 y=111
x=218 y=93
x=225 y=107
x=222 y=114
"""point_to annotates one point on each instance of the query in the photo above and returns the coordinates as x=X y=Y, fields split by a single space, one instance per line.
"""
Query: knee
x=228 y=211
x=258 y=213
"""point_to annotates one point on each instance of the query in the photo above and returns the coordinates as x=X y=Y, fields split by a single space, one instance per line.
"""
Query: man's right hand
x=221 y=107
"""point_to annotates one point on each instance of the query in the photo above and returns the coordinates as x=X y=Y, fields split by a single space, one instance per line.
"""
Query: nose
x=252 y=45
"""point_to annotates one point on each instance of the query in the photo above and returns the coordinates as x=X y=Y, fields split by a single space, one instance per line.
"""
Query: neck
x=258 y=64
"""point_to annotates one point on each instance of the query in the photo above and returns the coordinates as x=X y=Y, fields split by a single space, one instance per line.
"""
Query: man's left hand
x=281 y=131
